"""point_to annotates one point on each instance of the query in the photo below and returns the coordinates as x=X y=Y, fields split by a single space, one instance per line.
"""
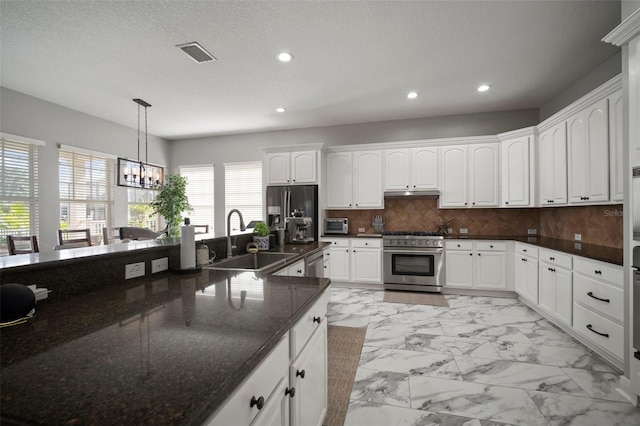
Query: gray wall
x=35 y=118
x=628 y=7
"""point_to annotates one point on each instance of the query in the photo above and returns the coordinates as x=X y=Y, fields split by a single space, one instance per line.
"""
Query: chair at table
x=134 y=233
x=74 y=237
x=22 y=249
x=110 y=235
x=201 y=229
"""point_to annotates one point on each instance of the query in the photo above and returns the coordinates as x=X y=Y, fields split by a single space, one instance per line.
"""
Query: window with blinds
x=86 y=191
x=200 y=194
x=243 y=191
x=18 y=189
x=140 y=210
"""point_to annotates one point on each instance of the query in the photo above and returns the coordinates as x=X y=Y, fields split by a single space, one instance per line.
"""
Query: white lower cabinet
x=276 y=413
x=356 y=259
x=526 y=272
x=555 y=295
x=295 y=270
x=476 y=264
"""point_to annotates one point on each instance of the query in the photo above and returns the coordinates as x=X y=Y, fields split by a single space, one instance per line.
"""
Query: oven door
x=413 y=268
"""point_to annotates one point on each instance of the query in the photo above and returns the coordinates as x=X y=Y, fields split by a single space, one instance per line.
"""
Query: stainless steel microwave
x=635 y=196
x=336 y=225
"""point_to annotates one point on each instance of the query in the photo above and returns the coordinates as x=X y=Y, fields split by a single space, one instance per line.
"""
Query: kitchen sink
x=252 y=261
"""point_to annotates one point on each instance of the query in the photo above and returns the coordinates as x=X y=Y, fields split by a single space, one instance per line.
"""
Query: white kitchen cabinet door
x=366 y=265
x=588 y=147
x=308 y=375
x=564 y=296
x=397 y=169
x=491 y=269
x=304 y=167
x=616 y=159
x=339 y=180
x=425 y=168
x=553 y=165
x=515 y=174
x=454 y=176
x=339 y=264
x=367 y=180
x=483 y=175
x=556 y=296
x=460 y=268
x=327 y=263
x=276 y=410
x=526 y=269
x=547 y=285
x=278 y=168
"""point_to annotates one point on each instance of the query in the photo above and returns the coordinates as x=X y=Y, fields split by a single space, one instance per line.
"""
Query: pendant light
x=139 y=174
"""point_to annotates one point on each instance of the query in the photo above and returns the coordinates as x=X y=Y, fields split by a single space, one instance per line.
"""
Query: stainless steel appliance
x=298 y=230
x=336 y=225
x=282 y=201
x=636 y=302
x=314 y=265
x=413 y=261
x=635 y=196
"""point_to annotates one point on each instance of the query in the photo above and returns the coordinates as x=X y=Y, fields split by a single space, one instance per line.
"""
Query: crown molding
x=627 y=30
x=467 y=140
x=601 y=92
x=527 y=131
x=293 y=148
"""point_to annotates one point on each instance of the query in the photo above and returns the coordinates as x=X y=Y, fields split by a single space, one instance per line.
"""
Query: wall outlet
x=464 y=230
x=159 y=265
x=360 y=229
x=449 y=230
x=578 y=237
x=134 y=270
x=532 y=231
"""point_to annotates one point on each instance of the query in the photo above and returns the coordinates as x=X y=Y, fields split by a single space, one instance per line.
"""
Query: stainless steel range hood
x=429 y=193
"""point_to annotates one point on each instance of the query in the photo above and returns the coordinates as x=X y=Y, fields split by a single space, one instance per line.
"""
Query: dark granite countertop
x=163 y=349
x=591 y=251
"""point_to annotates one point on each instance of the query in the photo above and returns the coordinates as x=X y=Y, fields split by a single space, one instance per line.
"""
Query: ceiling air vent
x=196 y=52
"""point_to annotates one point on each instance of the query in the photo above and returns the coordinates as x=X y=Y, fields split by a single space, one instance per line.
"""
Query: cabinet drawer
x=338 y=242
x=303 y=329
x=491 y=246
x=366 y=243
x=261 y=383
x=458 y=245
x=555 y=258
x=527 y=250
x=589 y=324
x=601 y=297
x=599 y=270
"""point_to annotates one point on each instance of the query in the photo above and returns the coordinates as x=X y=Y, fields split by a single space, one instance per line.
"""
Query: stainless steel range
x=413 y=261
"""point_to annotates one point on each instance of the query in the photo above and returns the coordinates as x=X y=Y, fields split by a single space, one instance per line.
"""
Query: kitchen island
x=164 y=349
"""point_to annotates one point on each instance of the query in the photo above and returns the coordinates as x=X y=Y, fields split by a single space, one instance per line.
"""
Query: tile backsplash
x=597 y=224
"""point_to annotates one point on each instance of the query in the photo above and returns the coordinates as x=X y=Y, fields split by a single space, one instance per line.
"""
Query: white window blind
x=243 y=191
x=18 y=189
x=200 y=194
x=140 y=211
x=86 y=191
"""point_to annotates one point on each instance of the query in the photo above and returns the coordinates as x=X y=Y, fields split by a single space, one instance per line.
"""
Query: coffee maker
x=299 y=229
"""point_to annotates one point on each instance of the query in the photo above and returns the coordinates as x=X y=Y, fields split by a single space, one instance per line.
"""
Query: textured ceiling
x=354 y=61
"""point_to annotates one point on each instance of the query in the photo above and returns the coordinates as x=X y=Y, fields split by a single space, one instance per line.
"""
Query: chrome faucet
x=242 y=228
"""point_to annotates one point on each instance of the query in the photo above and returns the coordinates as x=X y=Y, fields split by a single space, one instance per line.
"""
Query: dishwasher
x=314 y=265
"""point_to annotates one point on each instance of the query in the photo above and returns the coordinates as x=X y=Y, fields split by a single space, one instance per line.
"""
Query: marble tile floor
x=482 y=361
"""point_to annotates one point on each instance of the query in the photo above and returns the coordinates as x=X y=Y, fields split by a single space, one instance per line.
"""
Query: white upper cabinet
x=454 y=176
x=516 y=172
x=286 y=168
x=354 y=180
x=552 y=173
x=616 y=160
x=483 y=175
x=411 y=169
x=588 y=145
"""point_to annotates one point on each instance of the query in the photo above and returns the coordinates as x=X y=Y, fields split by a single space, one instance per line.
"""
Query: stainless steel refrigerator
x=282 y=201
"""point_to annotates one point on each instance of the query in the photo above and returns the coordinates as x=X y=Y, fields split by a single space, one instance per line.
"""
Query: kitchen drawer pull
x=317 y=319
x=300 y=373
x=259 y=403
x=299 y=271
x=290 y=391
x=552 y=258
x=597 y=332
x=491 y=246
x=590 y=294
x=597 y=272
x=524 y=250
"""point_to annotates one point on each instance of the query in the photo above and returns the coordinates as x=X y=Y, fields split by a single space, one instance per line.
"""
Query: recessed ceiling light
x=412 y=95
x=483 y=88
x=280 y=109
x=284 y=56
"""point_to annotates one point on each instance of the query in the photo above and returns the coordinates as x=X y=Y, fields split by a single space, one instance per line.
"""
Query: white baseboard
x=624 y=389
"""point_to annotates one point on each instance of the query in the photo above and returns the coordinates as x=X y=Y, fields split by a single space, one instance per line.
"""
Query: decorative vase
x=262 y=242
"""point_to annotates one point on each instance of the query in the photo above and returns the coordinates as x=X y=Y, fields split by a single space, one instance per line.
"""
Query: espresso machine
x=299 y=230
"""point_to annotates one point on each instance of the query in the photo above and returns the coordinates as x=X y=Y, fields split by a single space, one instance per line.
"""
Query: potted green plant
x=171 y=202
x=261 y=236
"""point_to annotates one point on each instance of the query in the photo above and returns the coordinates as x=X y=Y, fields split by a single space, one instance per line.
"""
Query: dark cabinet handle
x=317 y=319
x=259 y=403
x=598 y=272
x=290 y=391
x=300 y=373
x=590 y=328
x=474 y=203
x=491 y=246
x=470 y=254
x=458 y=245
x=366 y=244
x=551 y=269
x=524 y=250
x=299 y=271
x=479 y=254
x=552 y=258
x=506 y=202
x=590 y=294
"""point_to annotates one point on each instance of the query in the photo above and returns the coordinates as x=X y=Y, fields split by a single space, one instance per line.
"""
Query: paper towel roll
x=187 y=247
